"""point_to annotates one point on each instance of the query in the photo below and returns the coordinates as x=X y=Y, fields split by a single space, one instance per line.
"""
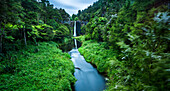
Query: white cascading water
x=75 y=41
x=74 y=29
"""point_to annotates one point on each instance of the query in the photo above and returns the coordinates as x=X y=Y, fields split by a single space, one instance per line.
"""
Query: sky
x=72 y=6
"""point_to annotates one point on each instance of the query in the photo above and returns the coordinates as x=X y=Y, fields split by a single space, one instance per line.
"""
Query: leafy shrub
x=43 y=32
x=94 y=29
x=62 y=31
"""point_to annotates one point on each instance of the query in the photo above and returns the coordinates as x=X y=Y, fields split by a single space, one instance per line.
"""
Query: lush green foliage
x=42 y=67
x=127 y=73
x=94 y=29
x=130 y=44
x=80 y=38
x=23 y=20
x=39 y=65
x=97 y=54
x=135 y=51
x=101 y=8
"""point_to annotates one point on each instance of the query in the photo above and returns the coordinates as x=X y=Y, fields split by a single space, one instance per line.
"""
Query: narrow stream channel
x=88 y=78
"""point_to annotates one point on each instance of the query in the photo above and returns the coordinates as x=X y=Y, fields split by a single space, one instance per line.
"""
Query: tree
x=75 y=19
x=73 y=16
x=24 y=14
x=79 y=12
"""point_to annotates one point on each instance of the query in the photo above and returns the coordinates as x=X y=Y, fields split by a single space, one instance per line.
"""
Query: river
x=88 y=78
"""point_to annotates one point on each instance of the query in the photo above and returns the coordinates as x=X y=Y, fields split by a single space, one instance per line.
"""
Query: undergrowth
x=41 y=67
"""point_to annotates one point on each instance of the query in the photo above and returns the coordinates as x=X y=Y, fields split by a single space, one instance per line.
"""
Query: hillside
x=128 y=41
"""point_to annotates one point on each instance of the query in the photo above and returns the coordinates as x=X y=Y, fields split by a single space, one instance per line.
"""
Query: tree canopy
x=24 y=20
x=136 y=35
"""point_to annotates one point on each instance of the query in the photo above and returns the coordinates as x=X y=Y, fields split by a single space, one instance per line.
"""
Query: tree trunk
x=25 y=36
x=1 y=40
x=38 y=17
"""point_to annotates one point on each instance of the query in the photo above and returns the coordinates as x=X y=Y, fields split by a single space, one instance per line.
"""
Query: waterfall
x=75 y=41
x=74 y=29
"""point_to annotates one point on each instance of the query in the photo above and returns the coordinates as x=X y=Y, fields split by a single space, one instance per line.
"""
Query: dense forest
x=126 y=40
x=29 y=60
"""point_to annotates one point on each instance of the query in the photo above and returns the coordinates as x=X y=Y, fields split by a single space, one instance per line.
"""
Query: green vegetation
x=127 y=40
x=29 y=20
x=130 y=43
x=101 y=8
x=80 y=38
x=127 y=73
x=42 y=67
x=28 y=58
x=96 y=53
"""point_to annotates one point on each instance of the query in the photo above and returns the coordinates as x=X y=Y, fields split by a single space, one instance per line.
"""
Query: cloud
x=72 y=6
x=59 y=4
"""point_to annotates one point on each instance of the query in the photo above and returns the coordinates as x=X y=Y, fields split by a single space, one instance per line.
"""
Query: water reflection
x=72 y=43
x=88 y=78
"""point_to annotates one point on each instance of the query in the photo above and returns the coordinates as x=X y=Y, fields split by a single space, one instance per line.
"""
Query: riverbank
x=42 y=67
x=120 y=73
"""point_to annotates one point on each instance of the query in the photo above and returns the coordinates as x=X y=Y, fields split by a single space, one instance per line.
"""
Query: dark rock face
x=78 y=28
